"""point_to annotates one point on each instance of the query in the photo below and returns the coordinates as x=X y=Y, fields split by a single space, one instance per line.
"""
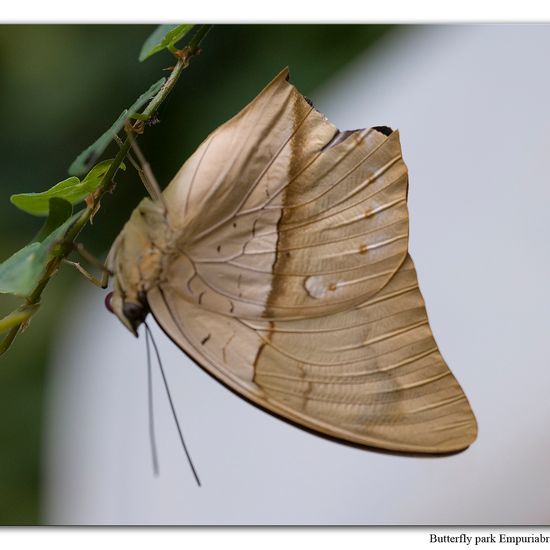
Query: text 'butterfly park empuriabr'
x=278 y=260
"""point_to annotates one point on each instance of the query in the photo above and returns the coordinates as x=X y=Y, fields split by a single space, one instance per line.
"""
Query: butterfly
x=278 y=260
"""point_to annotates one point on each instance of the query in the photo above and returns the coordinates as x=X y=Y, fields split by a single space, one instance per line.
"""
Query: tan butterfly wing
x=290 y=280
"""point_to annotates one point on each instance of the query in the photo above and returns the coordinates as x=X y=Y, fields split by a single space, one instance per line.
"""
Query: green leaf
x=22 y=271
x=94 y=151
x=71 y=190
x=146 y=96
x=59 y=211
x=164 y=36
x=38 y=204
x=95 y=176
x=153 y=44
x=175 y=35
x=58 y=234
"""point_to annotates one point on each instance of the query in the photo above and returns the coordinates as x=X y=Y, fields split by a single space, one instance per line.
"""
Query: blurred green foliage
x=61 y=87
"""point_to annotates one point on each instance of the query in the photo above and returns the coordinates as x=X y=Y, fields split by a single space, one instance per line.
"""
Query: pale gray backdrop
x=472 y=104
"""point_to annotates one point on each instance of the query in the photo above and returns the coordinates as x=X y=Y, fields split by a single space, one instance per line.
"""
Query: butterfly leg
x=144 y=170
x=106 y=273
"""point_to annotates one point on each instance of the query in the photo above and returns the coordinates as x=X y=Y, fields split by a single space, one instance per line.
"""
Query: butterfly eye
x=108 y=304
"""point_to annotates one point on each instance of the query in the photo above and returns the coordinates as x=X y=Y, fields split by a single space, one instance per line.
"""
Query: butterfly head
x=131 y=314
x=136 y=261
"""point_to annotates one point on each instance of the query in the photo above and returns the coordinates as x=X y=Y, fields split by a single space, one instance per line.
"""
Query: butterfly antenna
x=150 y=406
x=148 y=330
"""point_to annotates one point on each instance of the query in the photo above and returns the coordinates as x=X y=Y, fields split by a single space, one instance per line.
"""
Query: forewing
x=371 y=374
x=278 y=215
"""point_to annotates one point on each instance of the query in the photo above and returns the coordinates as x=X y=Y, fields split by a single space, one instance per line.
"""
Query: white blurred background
x=472 y=107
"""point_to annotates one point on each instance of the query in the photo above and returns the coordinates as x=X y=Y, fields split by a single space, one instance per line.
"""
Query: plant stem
x=183 y=58
x=198 y=38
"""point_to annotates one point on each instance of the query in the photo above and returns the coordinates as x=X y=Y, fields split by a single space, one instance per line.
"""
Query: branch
x=32 y=302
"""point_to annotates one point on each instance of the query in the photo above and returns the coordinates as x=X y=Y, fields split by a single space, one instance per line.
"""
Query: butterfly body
x=280 y=264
